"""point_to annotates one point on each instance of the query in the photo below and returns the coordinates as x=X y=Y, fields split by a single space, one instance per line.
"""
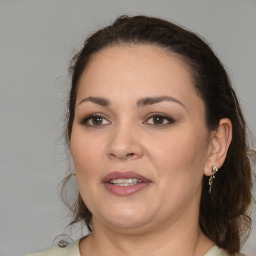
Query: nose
x=125 y=143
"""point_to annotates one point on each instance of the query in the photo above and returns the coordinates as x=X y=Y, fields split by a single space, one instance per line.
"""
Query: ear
x=220 y=140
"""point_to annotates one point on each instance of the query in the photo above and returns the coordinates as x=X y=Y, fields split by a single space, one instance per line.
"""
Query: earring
x=214 y=170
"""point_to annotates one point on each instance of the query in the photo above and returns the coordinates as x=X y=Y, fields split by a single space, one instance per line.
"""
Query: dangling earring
x=214 y=170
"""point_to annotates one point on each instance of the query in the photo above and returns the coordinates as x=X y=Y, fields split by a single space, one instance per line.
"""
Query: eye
x=94 y=120
x=159 y=119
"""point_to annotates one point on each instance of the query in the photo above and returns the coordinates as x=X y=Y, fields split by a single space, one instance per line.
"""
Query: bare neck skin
x=182 y=237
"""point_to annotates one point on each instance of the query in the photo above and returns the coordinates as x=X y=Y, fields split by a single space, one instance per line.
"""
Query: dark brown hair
x=223 y=213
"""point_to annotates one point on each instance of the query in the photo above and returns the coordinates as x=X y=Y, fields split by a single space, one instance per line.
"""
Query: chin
x=127 y=219
x=129 y=226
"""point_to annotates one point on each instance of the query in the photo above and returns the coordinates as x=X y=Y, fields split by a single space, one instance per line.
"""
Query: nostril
x=130 y=154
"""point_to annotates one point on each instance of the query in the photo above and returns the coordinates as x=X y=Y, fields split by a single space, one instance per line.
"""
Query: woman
x=159 y=146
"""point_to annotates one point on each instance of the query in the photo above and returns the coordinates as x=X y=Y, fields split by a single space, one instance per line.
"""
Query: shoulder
x=216 y=251
x=70 y=250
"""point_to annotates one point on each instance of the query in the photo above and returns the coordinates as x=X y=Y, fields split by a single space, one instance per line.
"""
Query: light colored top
x=73 y=250
x=70 y=250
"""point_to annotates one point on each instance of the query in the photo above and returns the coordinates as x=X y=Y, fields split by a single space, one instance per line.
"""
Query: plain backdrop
x=37 y=40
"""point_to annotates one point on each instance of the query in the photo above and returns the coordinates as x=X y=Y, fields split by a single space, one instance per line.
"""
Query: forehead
x=138 y=71
x=137 y=54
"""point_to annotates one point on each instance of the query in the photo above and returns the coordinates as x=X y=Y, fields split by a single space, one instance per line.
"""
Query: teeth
x=125 y=182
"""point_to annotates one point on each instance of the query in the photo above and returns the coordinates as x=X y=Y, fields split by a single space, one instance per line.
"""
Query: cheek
x=180 y=166
x=182 y=154
x=86 y=152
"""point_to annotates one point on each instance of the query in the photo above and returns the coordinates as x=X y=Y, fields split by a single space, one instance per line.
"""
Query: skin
x=161 y=219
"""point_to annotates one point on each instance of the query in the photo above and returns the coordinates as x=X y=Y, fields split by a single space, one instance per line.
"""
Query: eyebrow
x=97 y=100
x=153 y=100
x=140 y=103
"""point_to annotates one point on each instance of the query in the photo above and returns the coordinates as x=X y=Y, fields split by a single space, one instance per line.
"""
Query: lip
x=125 y=190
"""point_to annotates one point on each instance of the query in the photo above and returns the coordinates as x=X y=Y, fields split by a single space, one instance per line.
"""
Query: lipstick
x=125 y=183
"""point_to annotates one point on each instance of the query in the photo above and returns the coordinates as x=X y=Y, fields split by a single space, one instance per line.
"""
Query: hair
x=223 y=214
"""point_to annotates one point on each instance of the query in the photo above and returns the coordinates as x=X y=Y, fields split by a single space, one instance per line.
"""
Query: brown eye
x=159 y=119
x=94 y=120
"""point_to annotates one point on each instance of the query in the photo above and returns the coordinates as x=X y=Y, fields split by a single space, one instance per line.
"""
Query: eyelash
x=167 y=119
x=86 y=119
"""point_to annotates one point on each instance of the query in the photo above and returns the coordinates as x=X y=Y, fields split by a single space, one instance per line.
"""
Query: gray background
x=37 y=40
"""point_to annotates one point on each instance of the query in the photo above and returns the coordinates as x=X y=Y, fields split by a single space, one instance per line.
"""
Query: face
x=139 y=140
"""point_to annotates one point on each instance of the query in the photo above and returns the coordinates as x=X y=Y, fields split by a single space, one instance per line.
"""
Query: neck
x=182 y=238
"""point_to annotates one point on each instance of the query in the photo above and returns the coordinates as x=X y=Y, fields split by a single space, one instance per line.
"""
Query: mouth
x=125 y=183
